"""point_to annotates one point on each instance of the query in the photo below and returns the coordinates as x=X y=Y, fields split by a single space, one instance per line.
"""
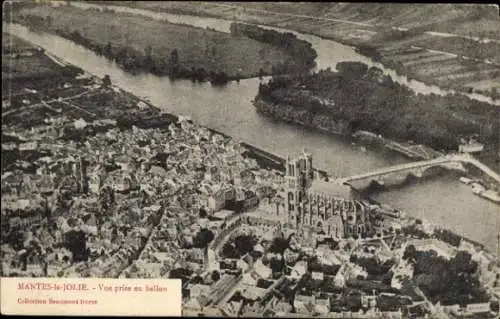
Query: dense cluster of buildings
x=116 y=187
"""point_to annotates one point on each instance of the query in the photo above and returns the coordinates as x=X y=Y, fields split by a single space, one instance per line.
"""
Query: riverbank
x=142 y=44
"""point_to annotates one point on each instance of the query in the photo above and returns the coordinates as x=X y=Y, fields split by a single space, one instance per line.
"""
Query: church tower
x=298 y=178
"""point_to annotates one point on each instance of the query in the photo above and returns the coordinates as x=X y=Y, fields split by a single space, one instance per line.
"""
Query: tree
x=261 y=73
x=239 y=246
x=148 y=50
x=108 y=50
x=410 y=253
x=450 y=282
x=202 y=213
x=215 y=276
x=197 y=280
x=279 y=245
x=277 y=264
x=180 y=273
x=203 y=238
x=494 y=93
x=174 y=57
x=106 y=80
x=76 y=242
x=448 y=237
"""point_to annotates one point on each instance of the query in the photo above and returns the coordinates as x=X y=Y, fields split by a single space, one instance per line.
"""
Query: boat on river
x=477 y=188
x=491 y=195
x=465 y=180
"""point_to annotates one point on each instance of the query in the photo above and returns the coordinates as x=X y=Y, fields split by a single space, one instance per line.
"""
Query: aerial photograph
x=282 y=159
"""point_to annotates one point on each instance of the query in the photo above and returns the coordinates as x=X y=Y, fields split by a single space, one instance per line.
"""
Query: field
x=446 y=70
x=394 y=30
x=197 y=48
x=22 y=64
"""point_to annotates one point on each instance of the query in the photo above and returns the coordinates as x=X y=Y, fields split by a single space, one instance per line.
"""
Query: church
x=314 y=205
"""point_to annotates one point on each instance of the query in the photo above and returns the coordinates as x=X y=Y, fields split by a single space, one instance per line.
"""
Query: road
x=47 y=103
x=292 y=15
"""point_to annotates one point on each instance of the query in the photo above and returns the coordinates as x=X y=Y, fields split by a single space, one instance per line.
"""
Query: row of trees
x=448 y=237
x=301 y=52
x=370 y=100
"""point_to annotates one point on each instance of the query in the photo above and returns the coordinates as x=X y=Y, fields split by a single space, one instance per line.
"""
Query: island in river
x=362 y=98
x=139 y=43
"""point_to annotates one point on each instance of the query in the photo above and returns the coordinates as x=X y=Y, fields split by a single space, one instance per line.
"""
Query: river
x=229 y=109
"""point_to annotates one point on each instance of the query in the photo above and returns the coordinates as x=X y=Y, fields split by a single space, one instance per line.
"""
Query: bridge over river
x=454 y=161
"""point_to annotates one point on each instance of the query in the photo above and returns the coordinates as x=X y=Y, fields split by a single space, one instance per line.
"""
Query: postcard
x=250 y=159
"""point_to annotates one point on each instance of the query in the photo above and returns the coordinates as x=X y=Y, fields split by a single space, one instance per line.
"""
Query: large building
x=315 y=205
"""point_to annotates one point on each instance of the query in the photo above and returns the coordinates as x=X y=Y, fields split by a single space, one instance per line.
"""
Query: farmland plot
x=403 y=58
x=465 y=77
x=431 y=59
x=440 y=70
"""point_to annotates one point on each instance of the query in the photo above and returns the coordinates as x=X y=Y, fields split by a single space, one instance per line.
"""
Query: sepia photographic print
x=282 y=159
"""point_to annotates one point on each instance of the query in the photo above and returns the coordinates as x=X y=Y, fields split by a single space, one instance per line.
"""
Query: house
x=233 y=308
x=223 y=214
x=402 y=270
x=197 y=290
x=250 y=278
x=339 y=280
x=64 y=255
x=29 y=146
x=253 y=293
x=316 y=275
x=251 y=202
x=299 y=270
x=369 y=301
x=282 y=308
x=195 y=303
x=353 y=271
x=322 y=306
x=240 y=195
x=290 y=256
x=124 y=183
x=230 y=264
x=470 y=148
x=196 y=255
x=95 y=183
x=262 y=270
x=230 y=193
x=304 y=304
x=242 y=265
x=477 y=308
x=217 y=200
